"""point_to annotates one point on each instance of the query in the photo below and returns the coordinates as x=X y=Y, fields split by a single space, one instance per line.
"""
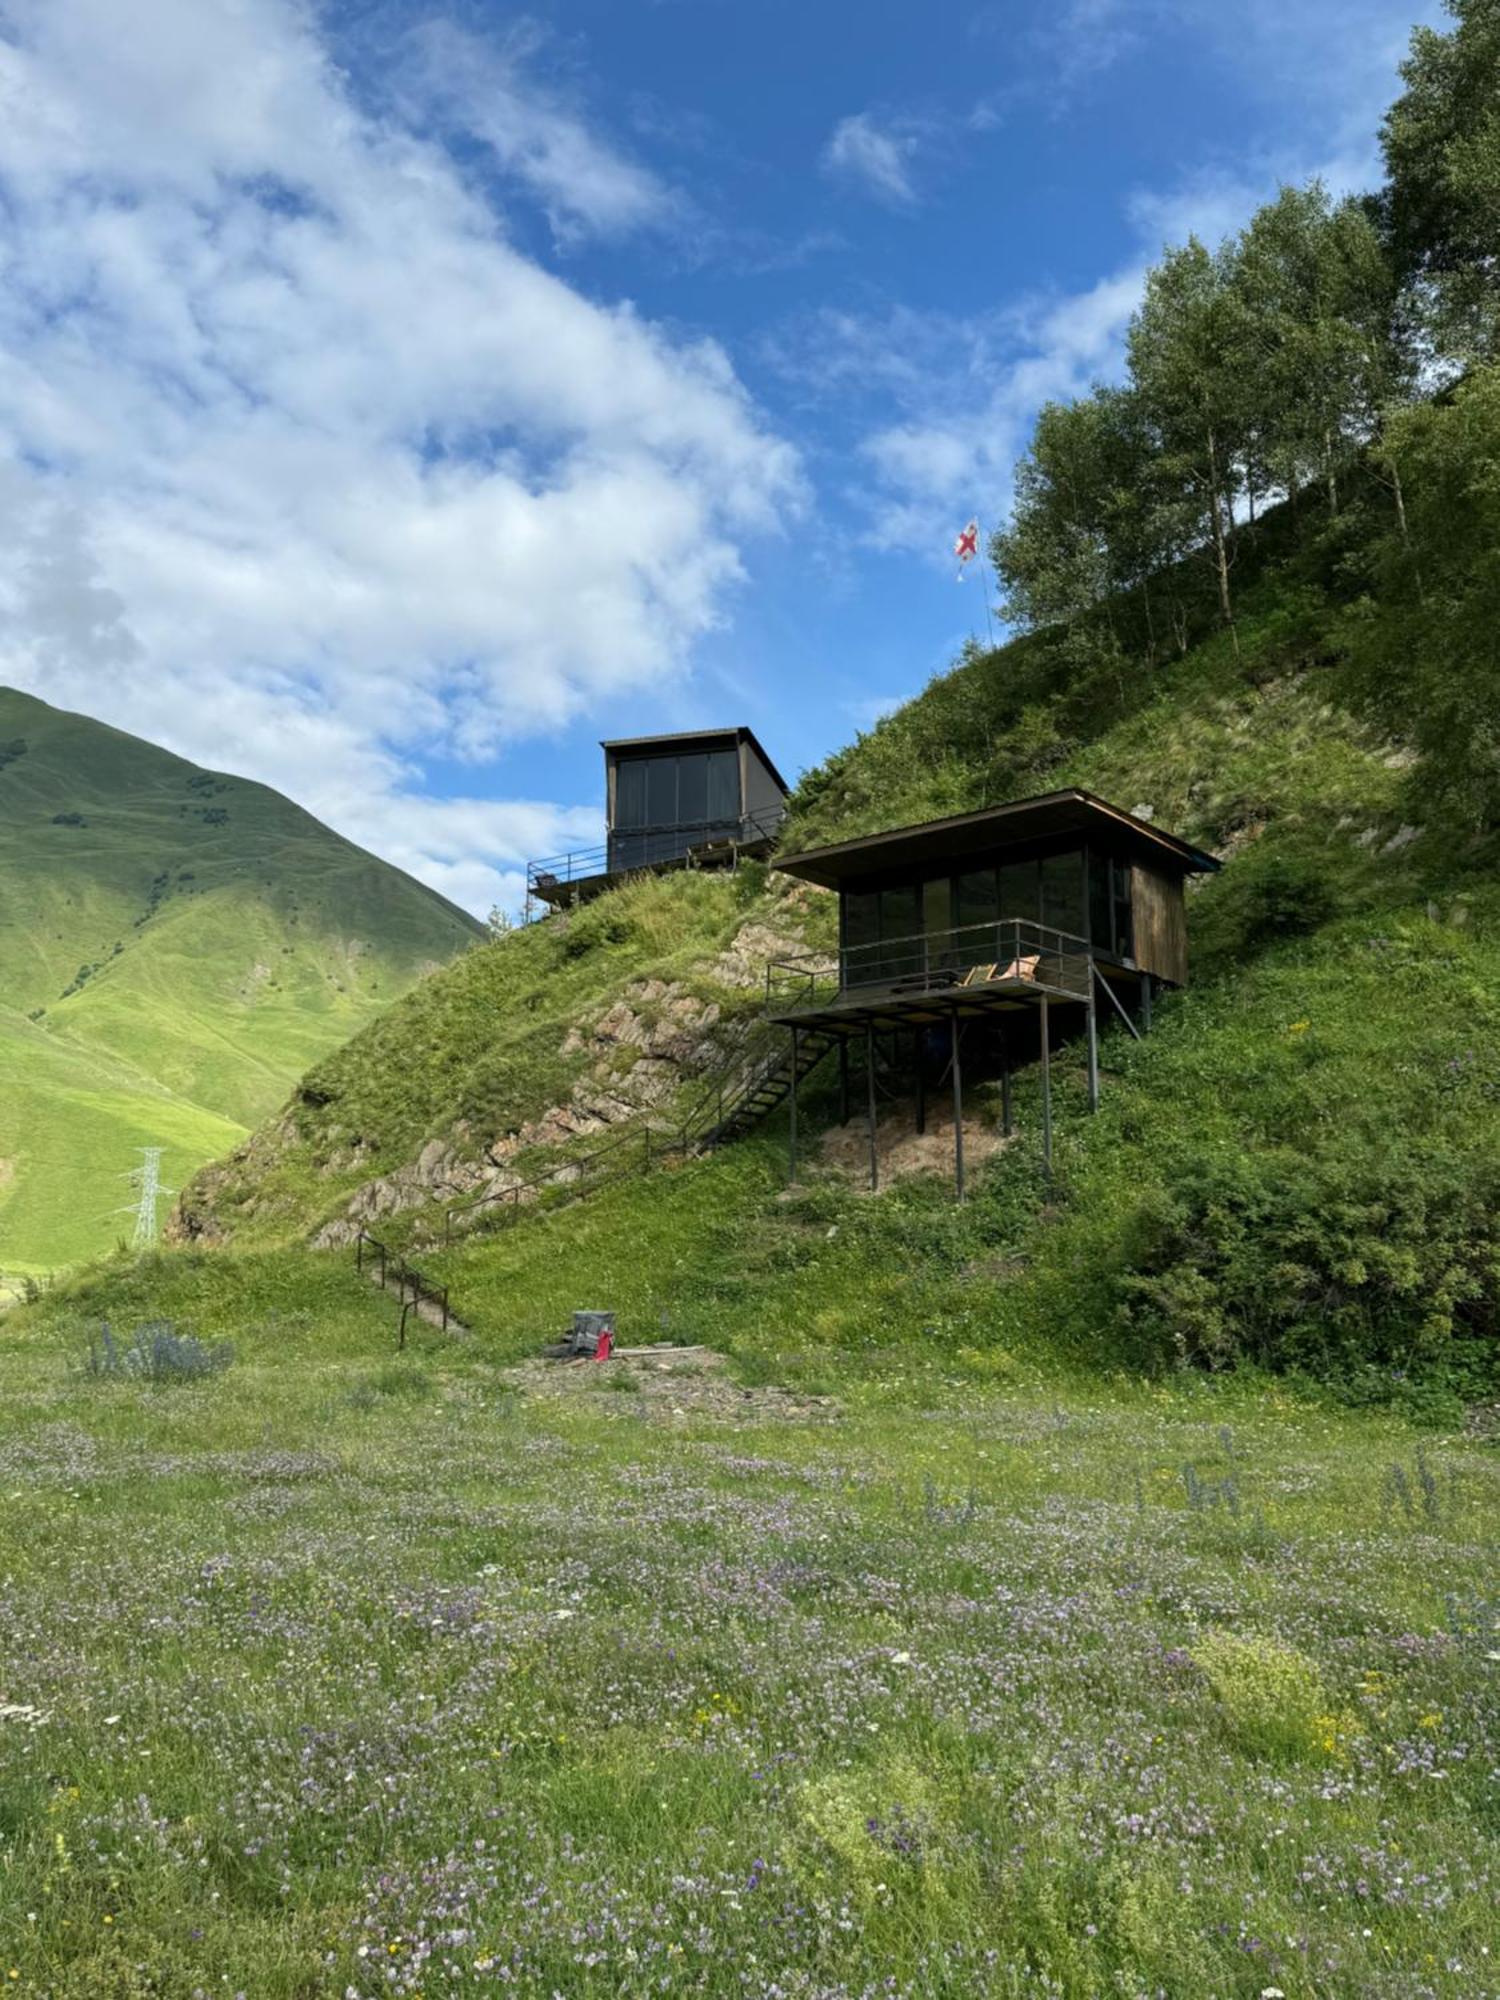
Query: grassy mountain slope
x=1293 y=1169
x=1026 y=1661
x=175 y=947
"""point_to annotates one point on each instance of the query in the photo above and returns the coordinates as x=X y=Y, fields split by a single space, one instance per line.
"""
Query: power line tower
x=147 y=1182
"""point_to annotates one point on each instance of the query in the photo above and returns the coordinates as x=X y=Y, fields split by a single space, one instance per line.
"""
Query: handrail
x=931 y=960
x=422 y=1288
x=730 y=829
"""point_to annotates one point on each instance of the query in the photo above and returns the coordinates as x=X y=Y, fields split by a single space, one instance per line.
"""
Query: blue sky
x=396 y=398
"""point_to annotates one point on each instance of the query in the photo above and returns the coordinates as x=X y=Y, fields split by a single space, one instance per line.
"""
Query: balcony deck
x=562 y=880
x=980 y=969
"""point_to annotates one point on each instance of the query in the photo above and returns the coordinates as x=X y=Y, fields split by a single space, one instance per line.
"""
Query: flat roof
x=1023 y=820
x=738 y=733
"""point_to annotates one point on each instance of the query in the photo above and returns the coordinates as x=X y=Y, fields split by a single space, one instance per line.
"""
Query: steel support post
x=792 y=1126
x=870 y=1100
x=958 y=1109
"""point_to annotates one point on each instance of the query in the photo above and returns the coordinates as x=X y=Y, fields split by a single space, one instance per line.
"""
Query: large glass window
x=1110 y=924
x=902 y=949
x=661 y=791
x=630 y=794
x=1101 y=903
x=1020 y=895
x=1124 y=919
x=1063 y=907
x=883 y=934
x=692 y=790
x=976 y=909
x=723 y=785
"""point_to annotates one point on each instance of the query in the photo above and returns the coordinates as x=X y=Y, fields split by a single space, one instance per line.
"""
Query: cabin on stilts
x=973 y=944
x=704 y=798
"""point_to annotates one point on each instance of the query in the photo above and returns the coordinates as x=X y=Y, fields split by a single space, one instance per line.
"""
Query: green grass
x=473 y=1053
x=356 y=1672
x=176 y=948
x=75 y=1119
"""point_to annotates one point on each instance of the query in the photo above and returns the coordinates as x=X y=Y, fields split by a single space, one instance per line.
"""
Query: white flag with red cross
x=966 y=548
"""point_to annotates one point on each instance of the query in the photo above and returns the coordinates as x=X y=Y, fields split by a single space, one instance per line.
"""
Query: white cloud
x=304 y=469
x=954 y=398
x=533 y=133
x=875 y=157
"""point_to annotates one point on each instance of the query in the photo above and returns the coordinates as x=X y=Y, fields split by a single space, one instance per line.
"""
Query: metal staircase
x=766 y=1089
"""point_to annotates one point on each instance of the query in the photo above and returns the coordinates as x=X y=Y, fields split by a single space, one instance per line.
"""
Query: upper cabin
x=702 y=797
x=990 y=907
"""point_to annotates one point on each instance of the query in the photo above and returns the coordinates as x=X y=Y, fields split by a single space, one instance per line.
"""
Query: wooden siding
x=1160 y=923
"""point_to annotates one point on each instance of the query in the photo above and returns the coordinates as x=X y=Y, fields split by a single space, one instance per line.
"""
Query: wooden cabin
x=1019 y=922
x=702 y=798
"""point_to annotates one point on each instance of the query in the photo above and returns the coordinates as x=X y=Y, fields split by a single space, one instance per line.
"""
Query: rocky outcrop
x=638 y=1055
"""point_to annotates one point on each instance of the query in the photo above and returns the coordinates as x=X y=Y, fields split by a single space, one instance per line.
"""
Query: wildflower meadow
x=336 y=1672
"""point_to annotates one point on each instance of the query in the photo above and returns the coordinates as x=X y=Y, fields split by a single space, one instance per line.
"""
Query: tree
x=1092 y=525
x=1442 y=153
x=1430 y=661
x=1184 y=363
x=1055 y=560
x=1315 y=335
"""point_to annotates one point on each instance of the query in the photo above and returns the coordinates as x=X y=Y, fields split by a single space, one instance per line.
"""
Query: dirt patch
x=668 y=1386
x=903 y=1151
x=7 y=1172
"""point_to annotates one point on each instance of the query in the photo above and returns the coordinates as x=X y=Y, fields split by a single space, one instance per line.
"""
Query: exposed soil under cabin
x=901 y=1150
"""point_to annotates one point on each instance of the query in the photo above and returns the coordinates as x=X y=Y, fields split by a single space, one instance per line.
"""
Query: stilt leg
x=843 y=1079
x=1046 y=1091
x=958 y=1111
x=921 y=1084
x=1093 y=1047
x=870 y=1093
x=792 y=1127
x=1146 y=1001
x=1005 y=1117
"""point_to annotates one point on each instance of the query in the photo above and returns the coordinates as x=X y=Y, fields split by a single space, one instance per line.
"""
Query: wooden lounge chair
x=1018 y=968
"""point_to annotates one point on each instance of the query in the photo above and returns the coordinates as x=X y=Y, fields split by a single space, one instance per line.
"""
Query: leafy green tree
x=1185 y=344
x=1315 y=333
x=1442 y=153
x=1429 y=658
x=1092 y=524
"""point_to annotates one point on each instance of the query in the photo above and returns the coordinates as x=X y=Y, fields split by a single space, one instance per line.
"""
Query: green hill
x=1297 y=1167
x=175 y=947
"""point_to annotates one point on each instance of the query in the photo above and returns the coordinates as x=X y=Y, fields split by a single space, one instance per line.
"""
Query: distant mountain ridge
x=176 y=947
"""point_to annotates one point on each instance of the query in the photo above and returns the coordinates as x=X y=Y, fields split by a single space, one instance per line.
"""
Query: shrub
x=1385 y=1258
x=1262 y=897
x=1270 y=1695
x=156 y=1352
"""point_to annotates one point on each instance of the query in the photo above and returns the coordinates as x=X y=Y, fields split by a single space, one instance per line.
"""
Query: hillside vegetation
x=1297 y=1169
x=176 y=946
x=1049 y=1594
x=1256 y=588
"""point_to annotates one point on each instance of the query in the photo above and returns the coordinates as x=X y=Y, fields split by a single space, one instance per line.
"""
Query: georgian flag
x=966 y=548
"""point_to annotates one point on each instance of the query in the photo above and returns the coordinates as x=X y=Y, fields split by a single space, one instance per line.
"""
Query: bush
x=1270 y=1695
x=1328 y=1264
x=155 y=1352
x=1263 y=897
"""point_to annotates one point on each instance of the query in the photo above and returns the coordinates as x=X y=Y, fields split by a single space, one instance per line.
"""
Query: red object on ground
x=606 y=1342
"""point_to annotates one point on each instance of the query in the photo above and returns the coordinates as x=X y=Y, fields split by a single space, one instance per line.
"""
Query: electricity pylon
x=146 y=1180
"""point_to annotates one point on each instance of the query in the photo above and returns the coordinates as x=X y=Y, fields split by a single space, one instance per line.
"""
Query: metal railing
x=630 y=848
x=413 y=1289
x=1009 y=950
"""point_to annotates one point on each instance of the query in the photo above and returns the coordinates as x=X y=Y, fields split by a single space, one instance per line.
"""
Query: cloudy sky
x=397 y=396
